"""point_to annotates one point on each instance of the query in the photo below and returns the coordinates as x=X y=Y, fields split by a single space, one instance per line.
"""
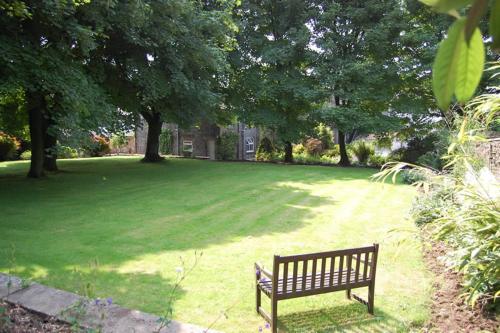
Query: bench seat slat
x=310 y=284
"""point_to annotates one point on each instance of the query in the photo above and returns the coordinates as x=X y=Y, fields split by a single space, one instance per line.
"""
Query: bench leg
x=371 y=296
x=348 y=293
x=274 y=315
x=258 y=294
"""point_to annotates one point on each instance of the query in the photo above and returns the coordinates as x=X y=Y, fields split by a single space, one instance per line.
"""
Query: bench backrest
x=325 y=271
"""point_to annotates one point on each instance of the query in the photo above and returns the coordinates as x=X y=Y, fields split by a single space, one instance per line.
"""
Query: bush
x=26 y=155
x=431 y=206
x=66 y=152
x=362 y=150
x=118 y=141
x=412 y=176
x=298 y=149
x=334 y=151
x=431 y=159
x=226 y=146
x=8 y=146
x=98 y=147
x=314 y=146
x=166 y=141
x=325 y=135
x=265 y=151
x=377 y=160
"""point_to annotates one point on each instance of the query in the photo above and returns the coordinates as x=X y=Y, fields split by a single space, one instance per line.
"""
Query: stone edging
x=60 y=304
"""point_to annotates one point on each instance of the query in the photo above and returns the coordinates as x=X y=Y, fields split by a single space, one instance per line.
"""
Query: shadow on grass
x=123 y=287
x=352 y=317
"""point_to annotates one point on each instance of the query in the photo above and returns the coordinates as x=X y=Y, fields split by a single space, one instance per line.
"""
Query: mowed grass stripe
x=138 y=219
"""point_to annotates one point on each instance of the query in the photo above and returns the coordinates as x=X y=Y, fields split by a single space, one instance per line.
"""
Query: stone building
x=200 y=141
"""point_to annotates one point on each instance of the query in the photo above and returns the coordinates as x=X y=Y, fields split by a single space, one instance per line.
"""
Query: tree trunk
x=153 y=140
x=344 y=158
x=50 y=142
x=37 y=139
x=288 y=152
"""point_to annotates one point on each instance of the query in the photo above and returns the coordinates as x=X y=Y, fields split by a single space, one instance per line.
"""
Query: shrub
x=226 y=146
x=431 y=159
x=26 y=155
x=334 y=151
x=431 y=206
x=325 y=135
x=118 y=141
x=265 y=151
x=166 y=141
x=298 y=149
x=377 y=160
x=362 y=150
x=314 y=146
x=8 y=146
x=66 y=152
x=412 y=176
x=98 y=147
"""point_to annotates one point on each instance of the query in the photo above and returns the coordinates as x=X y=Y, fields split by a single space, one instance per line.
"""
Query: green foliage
x=265 y=150
x=8 y=146
x=298 y=148
x=99 y=146
x=362 y=150
x=431 y=206
x=458 y=66
x=306 y=158
x=313 y=146
x=25 y=155
x=412 y=176
x=226 y=146
x=377 y=160
x=463 y=203
x=166 y=137
x=66 y=152
x=334 y=151
x=272 y=86
x=13 y=116
x=460 y=59
x=325 y=134
x=118 y=140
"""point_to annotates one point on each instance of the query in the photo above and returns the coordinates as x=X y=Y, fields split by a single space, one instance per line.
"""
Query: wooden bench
x=316 y=273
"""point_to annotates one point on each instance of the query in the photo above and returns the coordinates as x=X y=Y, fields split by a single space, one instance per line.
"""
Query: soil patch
x=449 y=313
x=16 y=319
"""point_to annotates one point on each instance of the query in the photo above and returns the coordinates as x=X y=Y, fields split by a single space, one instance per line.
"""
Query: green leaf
x=470 y=66
x=495 y=24
x=445 y=6
x=444 y=70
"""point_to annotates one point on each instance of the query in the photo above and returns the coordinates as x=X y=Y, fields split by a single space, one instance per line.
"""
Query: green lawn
x=138 y=219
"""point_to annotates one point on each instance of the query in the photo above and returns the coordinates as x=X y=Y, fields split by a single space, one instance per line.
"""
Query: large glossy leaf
x=470 y=66
x=445 y=6
x=495 y=24
x=444 y=70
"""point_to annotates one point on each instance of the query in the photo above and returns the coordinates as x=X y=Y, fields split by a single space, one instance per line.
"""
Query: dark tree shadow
x=351 y=317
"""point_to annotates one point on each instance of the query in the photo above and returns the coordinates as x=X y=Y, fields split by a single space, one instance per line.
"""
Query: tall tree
x=272 y=79
x=358 y=45
x=164 y=60
x=42 y=50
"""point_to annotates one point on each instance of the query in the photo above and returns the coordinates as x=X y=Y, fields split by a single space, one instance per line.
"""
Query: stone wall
x=490 y=152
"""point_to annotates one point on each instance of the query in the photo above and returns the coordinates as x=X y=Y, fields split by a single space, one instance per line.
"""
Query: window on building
x=249 y=145
x=187 y=146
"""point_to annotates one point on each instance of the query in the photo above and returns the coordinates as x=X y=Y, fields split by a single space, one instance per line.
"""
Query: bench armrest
x=260 y=270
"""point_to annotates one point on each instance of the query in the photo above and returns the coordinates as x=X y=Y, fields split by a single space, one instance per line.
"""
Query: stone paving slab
x=114 y=319
x=62 y=305
x=9 y=284
x=44 y=299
